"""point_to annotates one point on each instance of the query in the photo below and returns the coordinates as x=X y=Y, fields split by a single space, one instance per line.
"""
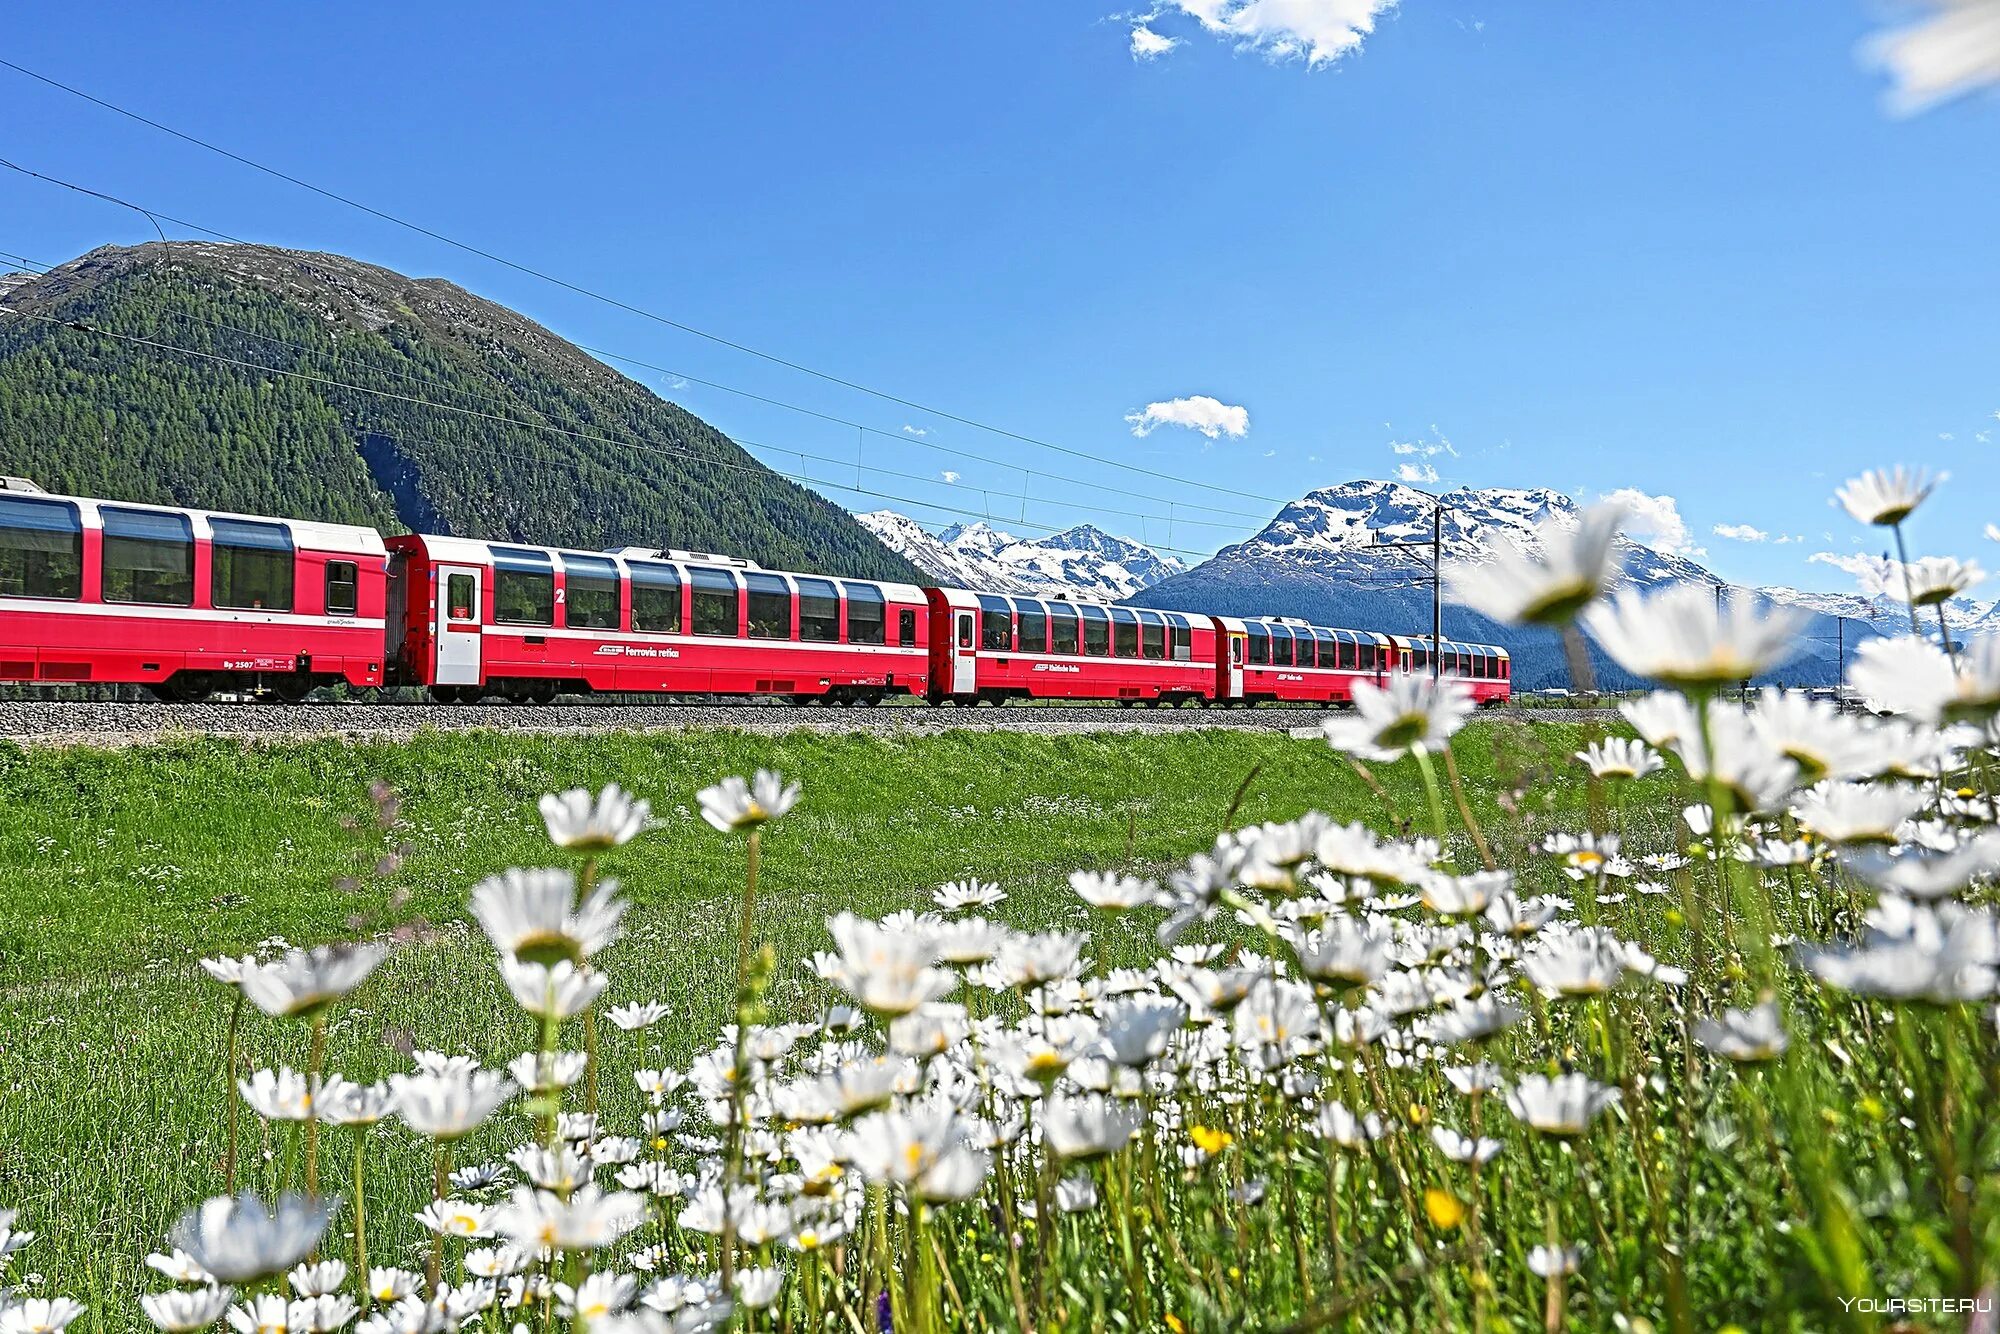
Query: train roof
x=481 y=551
x=309 y=533
x=1452 y=645
x=971 y=598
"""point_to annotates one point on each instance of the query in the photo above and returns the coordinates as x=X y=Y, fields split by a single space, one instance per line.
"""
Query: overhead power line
x=156 y=217
x=615 y=302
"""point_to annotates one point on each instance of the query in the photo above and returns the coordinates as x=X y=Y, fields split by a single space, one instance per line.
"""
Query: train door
x=457 y=626
x=1234 y=685
x=964 y=654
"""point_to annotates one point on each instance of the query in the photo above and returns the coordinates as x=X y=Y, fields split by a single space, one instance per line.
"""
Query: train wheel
x=544 y=692
x=292 y=689
x=188 y=687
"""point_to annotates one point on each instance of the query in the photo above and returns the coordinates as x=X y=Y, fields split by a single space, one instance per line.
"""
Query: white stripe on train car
x=214 y=616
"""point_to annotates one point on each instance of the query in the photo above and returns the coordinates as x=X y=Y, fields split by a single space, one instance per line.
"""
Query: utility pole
x=1436 y=545
x=1839 y=661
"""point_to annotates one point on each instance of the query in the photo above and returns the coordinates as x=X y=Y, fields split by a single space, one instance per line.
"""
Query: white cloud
x=1742 y=532
x=1318 y=32
x=1993 y=532
x=1861 y=566
x=1416 y=472
x=950 y=477
x=1950 y=53
x=915 y=430
x=1655 y=521
x=1150 y=45
x=1427 y=449
x=1212 y=417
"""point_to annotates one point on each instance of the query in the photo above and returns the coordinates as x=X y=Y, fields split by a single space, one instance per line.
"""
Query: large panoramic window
x=41 y=549
x=1034 y=626
x=713 y=597
x=1062 y=629
x=590 y=592
x=524 y=587
x=250 y=565
x=1260 y=645
x=1096 y=631
x=996 y=624
x=770 y=606
x=867 y=614
x=148 y=558
x=656 y=598
x=819 y=611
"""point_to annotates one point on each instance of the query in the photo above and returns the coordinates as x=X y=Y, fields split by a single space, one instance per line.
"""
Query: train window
x=866 y=614
x=1096 y=631
x=819 y=611
x=41 y=549
x=770 y=606
x=1034 y=625
x=524 y=587
x=1281 y=646
x=343 y=588
x=1260 y=645
x=148 y=558
x=251 y=566
x=460 y=594
x=1124 y=633
x=711 y=601
x=1183 y=641
x=590 y=593
x=906 y=627
x=1329 y=647
x=996 y=624
x=1062 y=629
x=1152 y=635
x=656 y=598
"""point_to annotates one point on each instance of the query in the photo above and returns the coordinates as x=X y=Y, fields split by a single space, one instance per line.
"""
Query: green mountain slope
x=87 y=413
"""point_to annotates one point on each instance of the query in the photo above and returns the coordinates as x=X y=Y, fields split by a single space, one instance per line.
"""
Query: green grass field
x=119 y=869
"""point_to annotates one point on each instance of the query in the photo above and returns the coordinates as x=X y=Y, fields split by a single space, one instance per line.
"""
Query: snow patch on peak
x=1081 y=562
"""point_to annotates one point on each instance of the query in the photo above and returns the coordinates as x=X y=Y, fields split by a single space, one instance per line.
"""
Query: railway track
x=52 y=722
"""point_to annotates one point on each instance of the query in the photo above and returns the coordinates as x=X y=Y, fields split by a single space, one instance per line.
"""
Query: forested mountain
x=84 y=412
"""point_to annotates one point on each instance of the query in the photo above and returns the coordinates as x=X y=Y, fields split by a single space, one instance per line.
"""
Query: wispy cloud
x=1150 y=45
x=1741 y=532
x=1313 y=32
x=1416 y=473
x=1656 y=521
x=915 y=430
x=1954 y=51
x=1212 y=417
x=950 y=478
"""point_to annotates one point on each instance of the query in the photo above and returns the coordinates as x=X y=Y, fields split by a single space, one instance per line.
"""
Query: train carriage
x=1282 y=659
x=185 y=601
x=526 y=623
x=1486 y=669
x=988 y=648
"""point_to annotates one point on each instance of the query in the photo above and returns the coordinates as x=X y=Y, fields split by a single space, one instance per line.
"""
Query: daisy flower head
x=305 y=984
x=580 y=822
x=1917 y=679
x=640 y=1014
x=1886 y=497
x=561 y=992
x=39 y=1315
x=533 y=916
x=449 y=1106
x=1112 y=891
x=588 y=1219
x=737 y=803
x=1926 y=582
x=959 y=895
x=1747 y=1036
x=1079 y=1128
x=1620 y=757
x=1680 y=636
x=1571 y=571
x=1563 y=1106
x=240 y=1241
x=1410 y=713
x=1551 y=1261
x=184 y=1310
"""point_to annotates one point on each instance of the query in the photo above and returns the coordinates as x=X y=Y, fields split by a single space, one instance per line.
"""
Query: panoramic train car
x=1486 y=669
x=986 y=648
x=1275 y=658
x=474 y=618
x=184 y=601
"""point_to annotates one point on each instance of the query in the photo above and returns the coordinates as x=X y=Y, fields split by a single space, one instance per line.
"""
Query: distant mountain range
x=1319 y=559
x=1082 y=562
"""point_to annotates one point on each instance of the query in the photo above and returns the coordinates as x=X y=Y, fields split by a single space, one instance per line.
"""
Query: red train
x=187 y=602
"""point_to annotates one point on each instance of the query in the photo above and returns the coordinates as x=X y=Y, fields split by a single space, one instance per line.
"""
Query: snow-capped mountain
x=1967 y=616
x=1082 y=562
x=1320 y=558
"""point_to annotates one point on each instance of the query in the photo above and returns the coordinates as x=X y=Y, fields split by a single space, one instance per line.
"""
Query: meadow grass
x=119 y=869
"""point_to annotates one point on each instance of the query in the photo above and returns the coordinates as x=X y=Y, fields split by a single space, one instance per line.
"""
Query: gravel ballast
x=45 y=722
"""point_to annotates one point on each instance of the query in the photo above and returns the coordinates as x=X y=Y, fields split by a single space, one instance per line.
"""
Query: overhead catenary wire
x=156 y=216
x=615 y=302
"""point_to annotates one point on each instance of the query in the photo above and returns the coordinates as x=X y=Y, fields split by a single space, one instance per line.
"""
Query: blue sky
x=1680 y=248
